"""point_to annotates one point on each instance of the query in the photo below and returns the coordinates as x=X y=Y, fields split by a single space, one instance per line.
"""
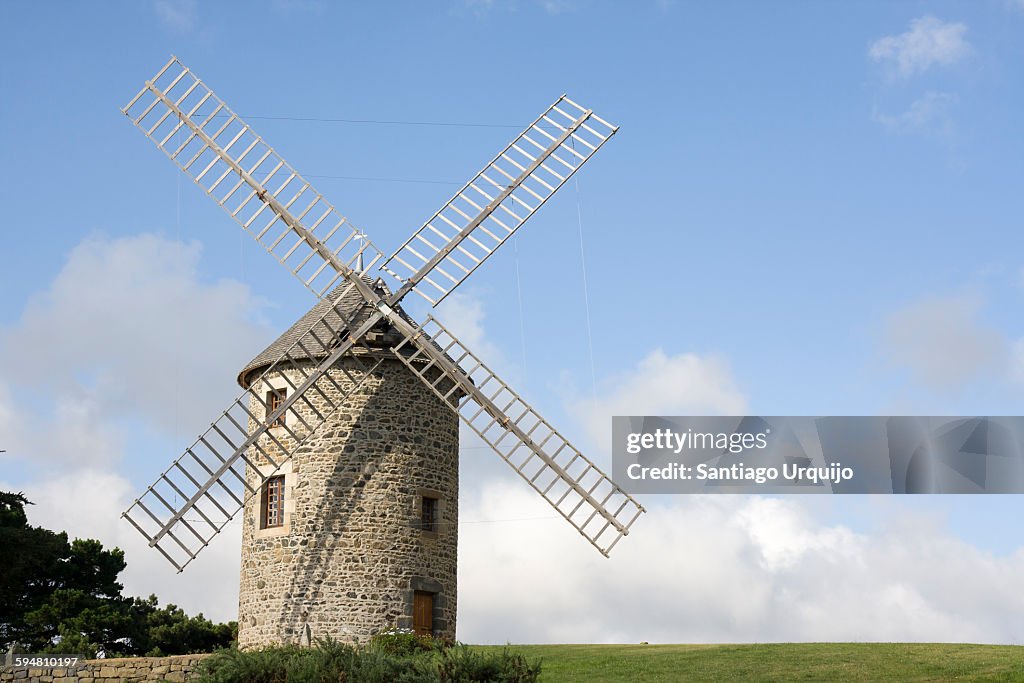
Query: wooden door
x=423 y=613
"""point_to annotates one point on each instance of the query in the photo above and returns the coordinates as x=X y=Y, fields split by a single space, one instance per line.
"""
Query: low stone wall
x=176 y=669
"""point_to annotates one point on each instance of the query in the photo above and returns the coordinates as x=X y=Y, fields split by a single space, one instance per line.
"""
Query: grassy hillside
x=776 y=662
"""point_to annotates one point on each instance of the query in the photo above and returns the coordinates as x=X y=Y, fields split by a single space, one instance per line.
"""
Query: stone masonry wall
x=351 y=552
x=177 y=668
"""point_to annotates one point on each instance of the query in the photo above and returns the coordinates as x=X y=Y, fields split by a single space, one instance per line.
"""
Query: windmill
x=342 y=448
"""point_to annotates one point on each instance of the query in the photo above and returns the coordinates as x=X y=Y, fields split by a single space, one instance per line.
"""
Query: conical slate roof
x=354 y=308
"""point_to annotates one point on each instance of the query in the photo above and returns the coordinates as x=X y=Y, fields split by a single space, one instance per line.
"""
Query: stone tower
x=358 y=531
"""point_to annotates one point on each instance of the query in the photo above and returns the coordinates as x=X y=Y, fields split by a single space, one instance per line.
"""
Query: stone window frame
x=269 y=384
x=288 y=507
x=439 y=512
x=275 y=482
x=274 y=398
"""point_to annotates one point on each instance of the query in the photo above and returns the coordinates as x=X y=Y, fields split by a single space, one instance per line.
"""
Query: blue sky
x=810 y=208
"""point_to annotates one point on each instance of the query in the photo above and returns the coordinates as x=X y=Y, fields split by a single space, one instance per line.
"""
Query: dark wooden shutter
x=428 y=516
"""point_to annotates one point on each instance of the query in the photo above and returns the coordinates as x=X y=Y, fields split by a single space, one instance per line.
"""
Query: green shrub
x=376 y=666
x=404 y=642
x=393 y=657
x=459 y=664
x=328 y=661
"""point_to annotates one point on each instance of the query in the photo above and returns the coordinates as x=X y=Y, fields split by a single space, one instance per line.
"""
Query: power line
x=519 y=301
x=496 y=521
x=378 y=122
x=382 y=122
x=236 y=522
x=511 y=519
x=586 y=288
x=386 y=180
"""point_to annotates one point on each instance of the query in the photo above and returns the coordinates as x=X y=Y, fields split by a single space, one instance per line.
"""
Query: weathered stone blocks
x=351 y=553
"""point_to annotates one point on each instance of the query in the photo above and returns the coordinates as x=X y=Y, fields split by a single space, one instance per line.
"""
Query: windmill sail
x=497 y=201
x=199 y=494
x=196 y=497
x=248 y=179
x=572 y=484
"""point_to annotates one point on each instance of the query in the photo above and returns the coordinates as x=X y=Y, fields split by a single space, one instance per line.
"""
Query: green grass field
x=777 y=662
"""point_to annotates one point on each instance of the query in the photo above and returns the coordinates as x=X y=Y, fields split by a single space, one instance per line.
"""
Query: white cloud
x=8 y=416
x=177 y=15
x=129 y=328
x=927 y=114
x=463 y=315
x=66 y=431
x=735 y=568
x=784 y=538
x=683 y=384
x=943 y=343
x=928 y=42
x=127 y=336
x=725 y=569
x=88 y=504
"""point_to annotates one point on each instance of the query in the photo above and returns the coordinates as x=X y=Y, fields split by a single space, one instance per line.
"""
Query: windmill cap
x=353 y=306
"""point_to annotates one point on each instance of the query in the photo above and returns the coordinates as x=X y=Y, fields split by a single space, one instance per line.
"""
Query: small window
x=275 y=397
x=272 y=508
x=428 y=514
